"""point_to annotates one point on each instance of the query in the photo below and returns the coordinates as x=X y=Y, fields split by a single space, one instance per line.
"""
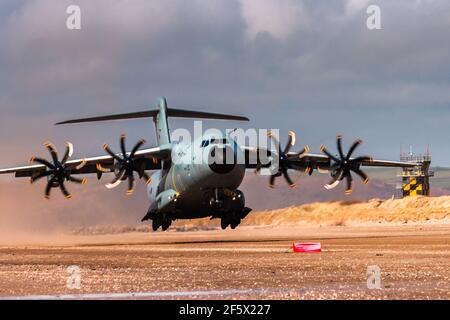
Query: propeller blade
x=130 y=185
x=101 y=169
x=339 y=145
x=111 y=153
x=43 y=161
x=362 y=175
x=335 y=179
x=117 y=180
x=77 y=180
x=300 y=154
x=40 y=175
x=332 y=184
x=275 y=141
x=288 y=179
x=136 y=147
x=353 y=147
x=320 y=170
x=147 y=178
x=291 y=142
x=309 y=170
x=114 y=184
x=305 y=150
x=272 y=181
x=64 y=190
x=69 y=152
x=82 y=164
x=122 y=144
x=49 y=187
x=324 y=150
x=52 y=151
x=349 y=189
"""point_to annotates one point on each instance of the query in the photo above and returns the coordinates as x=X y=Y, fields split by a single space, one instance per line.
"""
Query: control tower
x=416 y=180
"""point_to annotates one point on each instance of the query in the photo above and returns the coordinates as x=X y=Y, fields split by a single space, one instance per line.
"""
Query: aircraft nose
x=222 y=160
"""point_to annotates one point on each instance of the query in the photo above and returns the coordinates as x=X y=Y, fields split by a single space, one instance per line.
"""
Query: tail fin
x=160 y=117
x=161 y=123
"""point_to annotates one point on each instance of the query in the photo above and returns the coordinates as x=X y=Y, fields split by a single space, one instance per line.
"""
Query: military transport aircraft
x=188 y=189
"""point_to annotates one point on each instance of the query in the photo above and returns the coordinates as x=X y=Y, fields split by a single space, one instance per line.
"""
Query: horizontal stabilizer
x=153 y=113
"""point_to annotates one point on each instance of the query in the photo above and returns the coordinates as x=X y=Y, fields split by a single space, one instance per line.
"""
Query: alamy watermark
x=73 y=21
x=373 y=274
x=234 y=146
x=74 y=278
x=373 y=21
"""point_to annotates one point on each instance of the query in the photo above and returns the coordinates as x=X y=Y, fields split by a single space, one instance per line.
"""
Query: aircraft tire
x=166 y=225
x=155 y=224
x=224 y=223
x=234 y=223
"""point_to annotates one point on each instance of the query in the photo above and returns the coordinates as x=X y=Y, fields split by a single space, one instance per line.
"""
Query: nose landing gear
x=163 y=220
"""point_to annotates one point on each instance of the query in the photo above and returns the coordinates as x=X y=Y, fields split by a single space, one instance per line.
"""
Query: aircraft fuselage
x=205 y=175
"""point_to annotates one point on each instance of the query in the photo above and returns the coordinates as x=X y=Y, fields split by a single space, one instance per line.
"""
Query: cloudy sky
x=309 y=66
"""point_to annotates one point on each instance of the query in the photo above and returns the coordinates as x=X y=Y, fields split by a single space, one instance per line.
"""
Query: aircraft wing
x=259 y=157
x=322 y=161
x=340 y=166
x=100 y=164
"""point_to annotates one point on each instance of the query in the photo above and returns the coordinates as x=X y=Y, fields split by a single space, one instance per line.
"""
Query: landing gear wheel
x=166 y=224
x=155 y=224
x=235 y=222
x=224 y=223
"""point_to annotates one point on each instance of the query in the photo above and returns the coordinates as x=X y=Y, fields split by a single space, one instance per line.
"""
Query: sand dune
x=413 y=209
x=339 y=213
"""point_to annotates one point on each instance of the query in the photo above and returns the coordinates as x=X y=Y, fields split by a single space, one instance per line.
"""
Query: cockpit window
x=219 y=141
x=206 y=143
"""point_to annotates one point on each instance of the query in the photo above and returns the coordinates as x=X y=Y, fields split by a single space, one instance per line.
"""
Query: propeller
x=57 y=172
x=284 y=159
x=126 y=164
x=342 y=165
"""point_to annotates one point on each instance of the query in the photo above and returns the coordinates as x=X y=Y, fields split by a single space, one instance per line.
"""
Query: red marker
x=307 y=247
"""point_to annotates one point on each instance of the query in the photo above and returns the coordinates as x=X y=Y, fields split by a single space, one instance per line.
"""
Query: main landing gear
x=163 y=220
x=233 y=219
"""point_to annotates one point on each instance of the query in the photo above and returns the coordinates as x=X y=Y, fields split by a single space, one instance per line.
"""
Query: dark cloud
x=310 y=66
